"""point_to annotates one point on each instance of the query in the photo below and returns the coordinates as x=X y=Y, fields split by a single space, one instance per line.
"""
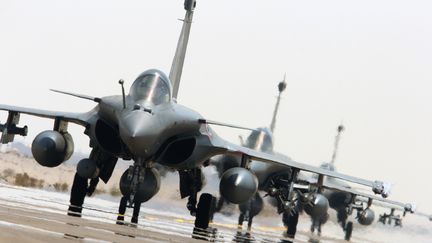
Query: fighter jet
x=314 y=204
x=345 y=200
x=339 y=200
x=361 y=203
x=148 y=126
x=261 y=140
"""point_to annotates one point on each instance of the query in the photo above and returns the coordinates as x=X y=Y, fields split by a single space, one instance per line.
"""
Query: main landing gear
x=348 y=230
x=249 y=210
x=204 y=215
x=347 y=227
x=191 y=182
x=99 y=165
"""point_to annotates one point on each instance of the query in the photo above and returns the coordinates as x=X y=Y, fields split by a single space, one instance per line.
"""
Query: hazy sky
x=366 y=63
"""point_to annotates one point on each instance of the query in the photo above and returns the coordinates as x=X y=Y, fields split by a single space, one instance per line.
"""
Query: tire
x=290 y=221
x=203 y=213
x=348 y=230
x=213 y=208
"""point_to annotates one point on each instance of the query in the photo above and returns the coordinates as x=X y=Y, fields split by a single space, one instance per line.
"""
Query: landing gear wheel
x=203 y=213
x=290 y=222
x=348 y=230
x=212 y=208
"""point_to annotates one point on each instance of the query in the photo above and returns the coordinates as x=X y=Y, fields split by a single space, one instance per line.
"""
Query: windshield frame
x=145 y=86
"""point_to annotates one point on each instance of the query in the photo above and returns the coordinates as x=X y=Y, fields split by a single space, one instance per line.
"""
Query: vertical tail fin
x=281 y=87
x=340 y=129
x=177 y=64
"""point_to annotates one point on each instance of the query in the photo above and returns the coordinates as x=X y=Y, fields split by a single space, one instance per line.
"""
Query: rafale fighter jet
x=149 y=126
x=270 y=178
x=262 y=140
x=346 y=201
x=339 y=200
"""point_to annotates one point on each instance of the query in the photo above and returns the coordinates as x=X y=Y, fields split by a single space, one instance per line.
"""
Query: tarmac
x=23 y=225
x=33 y=215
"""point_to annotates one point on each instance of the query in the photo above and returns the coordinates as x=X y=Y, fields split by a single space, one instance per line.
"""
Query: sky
x=364 y=63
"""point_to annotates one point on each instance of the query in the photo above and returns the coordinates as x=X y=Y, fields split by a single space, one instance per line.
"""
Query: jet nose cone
x=130 y=129
x=137 y=132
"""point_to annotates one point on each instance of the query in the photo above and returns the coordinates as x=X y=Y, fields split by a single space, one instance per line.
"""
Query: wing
x=385 y=203
x=364 y=197
x=78 y=118
x=10 y=129
x=224 y=147
x=429 y=216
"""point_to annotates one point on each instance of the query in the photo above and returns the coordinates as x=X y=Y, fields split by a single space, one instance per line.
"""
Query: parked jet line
x=347 y=201
x=271 y=179
x=148 y=126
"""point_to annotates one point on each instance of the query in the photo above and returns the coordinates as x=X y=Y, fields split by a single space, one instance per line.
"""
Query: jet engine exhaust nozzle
x=237 y=185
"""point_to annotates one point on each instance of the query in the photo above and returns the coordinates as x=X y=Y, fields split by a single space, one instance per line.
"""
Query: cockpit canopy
x=260 y=139
x=152 y=86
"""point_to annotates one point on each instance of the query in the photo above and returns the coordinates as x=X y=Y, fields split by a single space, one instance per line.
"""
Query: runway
x=32 y=215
